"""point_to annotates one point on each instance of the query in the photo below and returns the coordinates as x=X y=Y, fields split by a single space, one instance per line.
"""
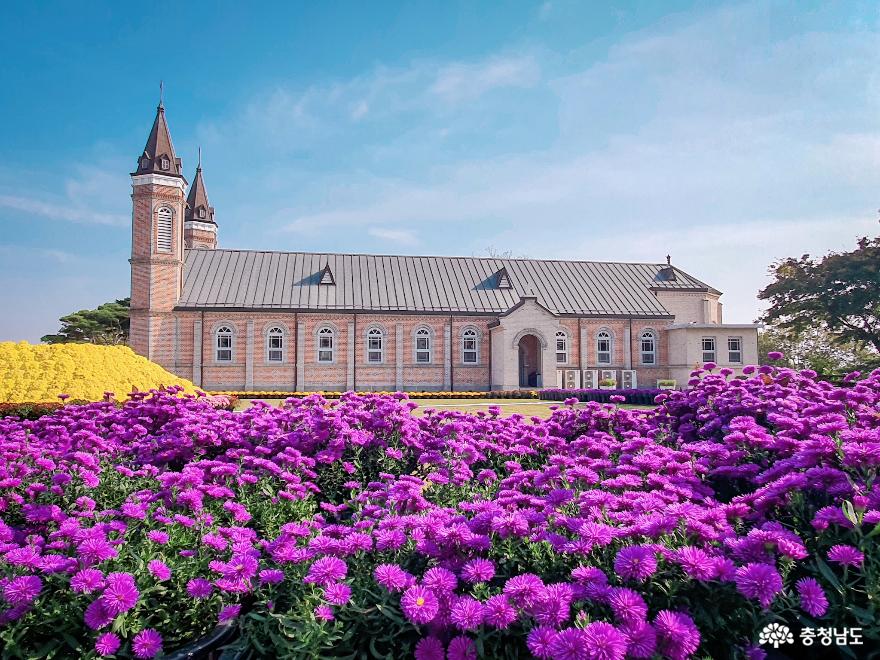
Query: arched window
x=223 y=344
x=275 y=344
x=423 y=346
x=326 y=344
x=469 y=347
x=163 y=229
x=603 y=347
x=375 y=346
x=648 y=347
x=561 y=347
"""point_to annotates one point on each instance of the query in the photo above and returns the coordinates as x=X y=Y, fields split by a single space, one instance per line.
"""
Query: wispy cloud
x=399 y=236
x=52 y=254
x=61 y=211
x=89 y=196
x=462 y=81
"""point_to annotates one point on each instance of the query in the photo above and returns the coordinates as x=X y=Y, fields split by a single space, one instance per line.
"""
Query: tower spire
x=158 y=156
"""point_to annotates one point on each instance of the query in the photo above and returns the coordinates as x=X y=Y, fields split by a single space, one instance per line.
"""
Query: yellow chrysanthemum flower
x=40 y=372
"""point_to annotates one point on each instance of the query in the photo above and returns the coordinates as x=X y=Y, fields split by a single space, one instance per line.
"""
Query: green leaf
x=829 y=575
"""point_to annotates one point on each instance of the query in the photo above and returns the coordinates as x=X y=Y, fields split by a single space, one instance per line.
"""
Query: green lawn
x=528 y=408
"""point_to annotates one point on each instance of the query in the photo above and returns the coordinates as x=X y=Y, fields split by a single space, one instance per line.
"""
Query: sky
x=727 y=135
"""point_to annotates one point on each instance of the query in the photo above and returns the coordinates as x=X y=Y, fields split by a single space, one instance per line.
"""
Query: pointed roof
x=158 y=156
x=197 y=200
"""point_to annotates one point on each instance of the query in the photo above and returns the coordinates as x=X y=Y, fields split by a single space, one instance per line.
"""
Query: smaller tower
x=199 y=228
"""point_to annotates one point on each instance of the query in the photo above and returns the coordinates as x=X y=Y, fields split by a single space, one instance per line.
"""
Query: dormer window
x=165 y=164
x=327 y=276
x=145 y=163
x=502 y=279
x=202 y=212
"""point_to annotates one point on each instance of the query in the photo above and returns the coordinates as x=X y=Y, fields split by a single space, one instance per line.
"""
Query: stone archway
x=529 y=347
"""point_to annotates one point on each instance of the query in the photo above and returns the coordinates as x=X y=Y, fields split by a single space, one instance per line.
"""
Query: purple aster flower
x=419 y=604
x=524 y=589
x=478 y=570
x=326 y=570
x=338 y=593
x=627 y=605
x=147 y=643
x=813 y=600
x=467 y=613
x=86 y=581
x=159 y=570
x=157 y=536
x=430 y=648
x=499 y=613
x=604 y=642
x=540 y=641
x=96 y=615
x=95 y=551
x=440 y=580
x=271 y=576
x=677 y=636
x=846 y=555
x=120 y=594
x=461 y=648
x=635 y=563
x=759 y=582
x=696 y=563
x=642 y=639
x=324 y=613
x=570 y=644
x=229 y=613
x=107 y=644
x=22 y=590
x=775 y=355
x=199 y=588
x=392 y=577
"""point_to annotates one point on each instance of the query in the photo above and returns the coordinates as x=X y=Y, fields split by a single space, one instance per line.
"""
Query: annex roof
x=291 y=281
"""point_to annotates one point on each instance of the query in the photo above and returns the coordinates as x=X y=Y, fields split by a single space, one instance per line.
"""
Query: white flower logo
x=776 y=634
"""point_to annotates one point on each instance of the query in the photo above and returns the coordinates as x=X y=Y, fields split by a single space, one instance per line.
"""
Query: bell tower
x=157 y=243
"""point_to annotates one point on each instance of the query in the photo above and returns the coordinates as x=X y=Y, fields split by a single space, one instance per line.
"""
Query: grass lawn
x=526 y=407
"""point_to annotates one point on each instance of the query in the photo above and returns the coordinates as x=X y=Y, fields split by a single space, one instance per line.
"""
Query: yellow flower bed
x=41 y=372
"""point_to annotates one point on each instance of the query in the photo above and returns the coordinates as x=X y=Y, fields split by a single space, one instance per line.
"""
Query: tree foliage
x=108 y=324
x=814 y=349
x=838 y=294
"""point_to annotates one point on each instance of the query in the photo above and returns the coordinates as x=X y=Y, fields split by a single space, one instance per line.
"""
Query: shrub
x=79 y=371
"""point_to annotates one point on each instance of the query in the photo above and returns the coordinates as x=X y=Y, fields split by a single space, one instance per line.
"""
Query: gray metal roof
x=246 y=279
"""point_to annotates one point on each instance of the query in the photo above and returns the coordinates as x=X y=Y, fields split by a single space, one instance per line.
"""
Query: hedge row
x=644 y=397
x=279 y=394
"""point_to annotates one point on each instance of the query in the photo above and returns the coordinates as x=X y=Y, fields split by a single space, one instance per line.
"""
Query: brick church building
x=257 y=320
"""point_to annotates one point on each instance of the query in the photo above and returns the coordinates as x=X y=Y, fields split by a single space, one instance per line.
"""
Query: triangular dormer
x=327 y=276
x=502 y=279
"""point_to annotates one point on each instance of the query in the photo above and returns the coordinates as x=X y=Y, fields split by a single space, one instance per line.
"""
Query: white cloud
x=53 y=254
x=464 y=81
x=61 y=211
x=399 y=236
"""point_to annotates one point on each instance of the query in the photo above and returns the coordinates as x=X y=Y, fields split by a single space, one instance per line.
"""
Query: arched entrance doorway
x=529 y=361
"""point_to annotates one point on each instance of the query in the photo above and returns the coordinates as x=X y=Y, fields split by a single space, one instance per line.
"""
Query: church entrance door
x=529 y=361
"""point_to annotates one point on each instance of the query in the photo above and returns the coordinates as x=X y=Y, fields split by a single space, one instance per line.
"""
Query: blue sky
x=727 y=135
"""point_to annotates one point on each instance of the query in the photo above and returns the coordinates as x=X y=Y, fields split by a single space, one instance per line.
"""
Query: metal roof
x=254 y=280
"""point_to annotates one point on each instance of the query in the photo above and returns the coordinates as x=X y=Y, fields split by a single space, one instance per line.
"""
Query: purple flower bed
x=644 y=397
x=336 y=529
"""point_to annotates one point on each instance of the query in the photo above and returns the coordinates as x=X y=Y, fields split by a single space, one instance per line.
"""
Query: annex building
x=253 y=320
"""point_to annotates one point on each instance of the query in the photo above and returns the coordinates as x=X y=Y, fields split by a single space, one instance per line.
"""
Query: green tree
x=838 y=294
x=814 y=349
x=108 y=324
